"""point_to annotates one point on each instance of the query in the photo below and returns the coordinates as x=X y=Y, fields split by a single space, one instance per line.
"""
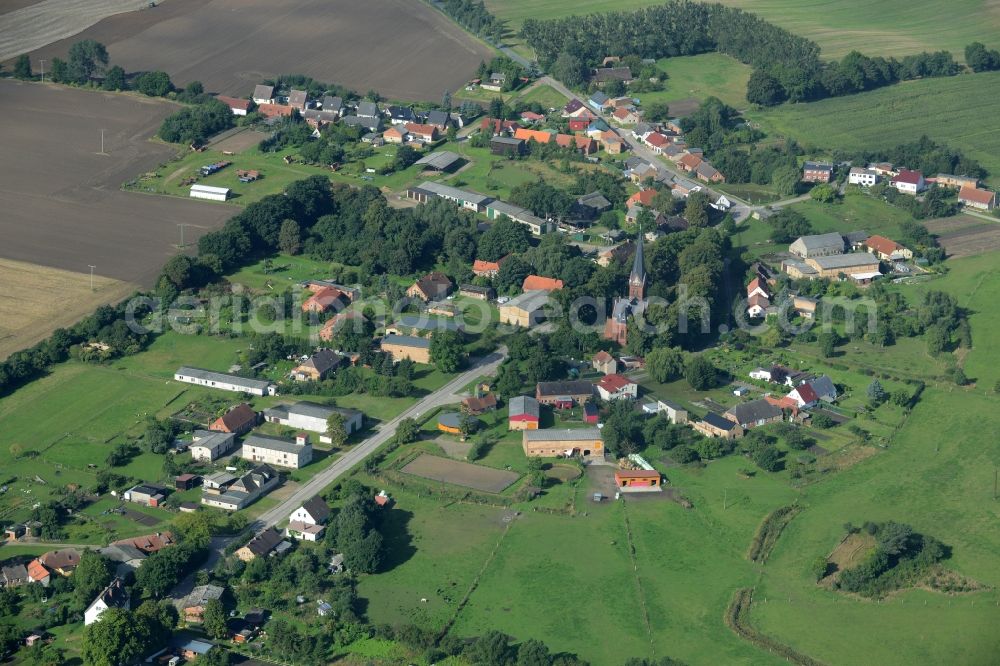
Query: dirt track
x=60 y=198
x=402 y=48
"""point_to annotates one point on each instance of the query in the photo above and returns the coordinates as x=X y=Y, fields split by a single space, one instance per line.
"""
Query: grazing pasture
x=891 y=28
x=957 y=111
x=61 y=199
x=403 y=49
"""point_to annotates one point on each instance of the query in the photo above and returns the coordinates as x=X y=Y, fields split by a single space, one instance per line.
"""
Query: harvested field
x=403 y=49
x=457 y=473
x=9 y=6
x=943 y=225
x=34 y=24
x=37 y=300
x=965 y=235
x=61 y=199
x=142 y=518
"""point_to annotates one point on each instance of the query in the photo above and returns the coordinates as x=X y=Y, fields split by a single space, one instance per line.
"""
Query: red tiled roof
x=643 y=197
x=603 y=357
x=531 y=115
x=424 y=130
x=274 y=110
x=757 y=299
x=976 y=195
x=36 y=571
x=236 y=418
x=149 y=543
x=532 y=135
x=481 y=266
x=882 y=244
x=534 y=282
x=323 y=299
x=234 y=103
x=754 y=285
x=807 y=393
x=612 y=383
x=656 y=139
x=909 y=177
x=636 y=474
x=691 y=161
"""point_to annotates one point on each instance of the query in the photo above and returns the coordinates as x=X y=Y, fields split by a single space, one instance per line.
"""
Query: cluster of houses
x=806 y=392
x=914 y=182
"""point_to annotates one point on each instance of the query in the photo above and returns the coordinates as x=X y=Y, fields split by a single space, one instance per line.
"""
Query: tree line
x=787 y=67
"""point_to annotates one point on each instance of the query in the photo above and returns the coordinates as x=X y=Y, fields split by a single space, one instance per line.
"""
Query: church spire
x=637 y=280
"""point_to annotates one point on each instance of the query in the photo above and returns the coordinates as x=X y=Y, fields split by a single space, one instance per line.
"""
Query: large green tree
x=86 y=58
x=665 y=364
x=117 y=638
x=214 y=619
x=90 y=577
x=700 y=373
x=447 y=351
x=22 y=67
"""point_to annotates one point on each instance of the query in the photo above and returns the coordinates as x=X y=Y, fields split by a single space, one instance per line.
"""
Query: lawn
x=894 y=27
x=702 y=76
x=957 y=111
x=276 y=175
x=547 y=96
x=943 y=486
x=286 y=270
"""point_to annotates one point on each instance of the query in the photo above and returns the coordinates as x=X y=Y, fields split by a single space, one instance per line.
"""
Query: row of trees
x=787 y=67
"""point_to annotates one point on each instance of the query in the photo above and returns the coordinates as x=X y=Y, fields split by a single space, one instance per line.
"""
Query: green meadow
x=957 y=111
x=702 y=76
x=890 y=28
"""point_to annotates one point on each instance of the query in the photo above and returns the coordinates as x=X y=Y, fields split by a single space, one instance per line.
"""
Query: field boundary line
x=738 y=620
x=638 y=581
x=475 y=583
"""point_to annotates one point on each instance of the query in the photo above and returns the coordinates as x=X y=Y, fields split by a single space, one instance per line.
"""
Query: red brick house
x=239 y=420
x=430 y=287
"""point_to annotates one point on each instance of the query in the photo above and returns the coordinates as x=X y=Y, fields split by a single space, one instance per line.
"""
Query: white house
x=224 y=382
x=313 y=417
x=307 y=522
x=278 y=451
x=263 y=94
x=862 y=177
x=209 y=445
x=804 y=395
x=114 y=595
x=909 y=182
x=617 y=387
x=761 y=374
x=722 y=203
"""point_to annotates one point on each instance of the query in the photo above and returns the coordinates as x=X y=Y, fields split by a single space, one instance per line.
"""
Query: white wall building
x=313 y=417
x=225 y=382
x=209 y=445
x=209 y=192
x=114 y=595
x=862 y=177
x=278 y=451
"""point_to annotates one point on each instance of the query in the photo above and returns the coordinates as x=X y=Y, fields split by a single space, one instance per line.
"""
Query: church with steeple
x=623 y=309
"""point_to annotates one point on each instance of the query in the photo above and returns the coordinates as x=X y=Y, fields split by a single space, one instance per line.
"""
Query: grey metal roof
x=333 y=103
x=529 y=301
x=368 y=109
x=438 y=117
x=440 y=160
x=273 y=443
x=202 y=594
x=426 y=324
x=406 y=341
x=306 y=408
x=454 y=193
x=562 y=435
x=317 y=508
x=212 y=376
x=599 y=98
x=817 y=166
x=821 y=241
x=673 y=405
x=508 y=140
x=845 y=260
x=213 y=441
x=523 y=404
x=263 y=92
x=824 y=387
x=297 y=97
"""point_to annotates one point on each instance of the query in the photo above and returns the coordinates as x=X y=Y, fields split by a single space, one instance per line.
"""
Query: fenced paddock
x=477 y=477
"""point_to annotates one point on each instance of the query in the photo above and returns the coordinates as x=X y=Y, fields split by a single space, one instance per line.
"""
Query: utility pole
x=43 y=70
x=102 y=143
x=92 y=277
x=182 y=225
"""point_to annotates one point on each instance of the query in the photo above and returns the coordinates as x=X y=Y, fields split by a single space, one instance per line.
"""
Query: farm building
x=590 y=413
x=424 y=326
x=263 y=94
x=462 y=198
x=186 y=481
x=441 y=160
x=14 y=575
x=208 y=445
x=819 y=245
x=278 y=451
x=451 y=423
x=504 y=145
x=886 y=249
x=525 y=310
x=958 y=182
x=584 y=442
x=637 y=480
x=477 y=292
x=496 y=208
x=714 y=425
x=224 y=382
x=209 y=192
x=239 y=420
x=754 y=413
x=475 y=405
x=522 y=413
x=564 y=394
x=975 y=198
x=399 y=347
x=604 y=363
x=62 y=562
x=817 y=172
x=313 y=417
x=149 y=494
x=239 y=107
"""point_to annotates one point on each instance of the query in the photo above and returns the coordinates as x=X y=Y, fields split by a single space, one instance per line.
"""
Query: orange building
x=637 y=478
